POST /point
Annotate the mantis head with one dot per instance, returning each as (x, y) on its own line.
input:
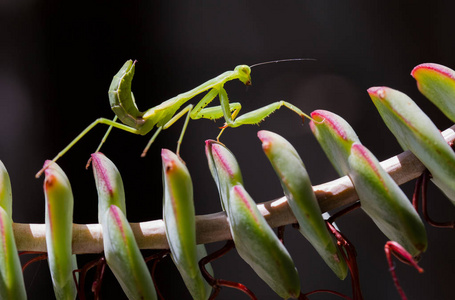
(244, 72)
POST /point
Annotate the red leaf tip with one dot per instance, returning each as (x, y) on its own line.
(443, 70)
(326, 117)
(265, 139)
(377, 91)
(168, 158)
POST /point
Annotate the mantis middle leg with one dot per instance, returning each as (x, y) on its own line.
(211, 113)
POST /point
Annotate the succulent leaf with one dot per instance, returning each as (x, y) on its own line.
(179, 218)
(59, 231)
(120, 248)
(124, 257)
(437, 83)
(258, 245)
(416, 132)
(336, 137)
(379, 195)
(109, 184)
(6, 198)
(224, 168)
(11, 278)
(255, 241)
(301, 198)
(385, 202)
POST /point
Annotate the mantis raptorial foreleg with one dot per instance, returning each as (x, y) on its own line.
(258, 115)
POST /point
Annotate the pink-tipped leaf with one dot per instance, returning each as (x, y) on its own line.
(224, 168)
(180, 223)
(120, 248)
(255, 240)
(415, 131)
(301, 198)
(11, 278)
(437, 83)
(379, 195)
(59, 231)
(335, 136)
(258, 245)
(6, 198)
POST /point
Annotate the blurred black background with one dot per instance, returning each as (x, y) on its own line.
(57, 59)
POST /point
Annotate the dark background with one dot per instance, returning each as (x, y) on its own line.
(57, 60)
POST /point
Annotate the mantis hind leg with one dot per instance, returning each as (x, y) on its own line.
(83, 133)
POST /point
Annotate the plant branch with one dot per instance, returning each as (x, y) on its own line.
(88, 238)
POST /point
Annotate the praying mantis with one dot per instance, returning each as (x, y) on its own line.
(165, 114)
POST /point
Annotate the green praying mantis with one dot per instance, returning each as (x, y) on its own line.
(165, 114)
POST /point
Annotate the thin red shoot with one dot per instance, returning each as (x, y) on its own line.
(404, 256)
(349, 254)
(421, 185)
(100, 264)
(42, 256)
(218, 283)
(157, 257)
(343, 212)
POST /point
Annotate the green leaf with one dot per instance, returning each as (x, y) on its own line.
(59, 231)
(301, 198)
(124, 257)
(335, 136)
(224, 168)
(11, 278)
(416, 132)
(437, 83)
(180, 223)
(109, 184)
(255, 241)
(6, 198)
(258, 245)
(121, 250)
(379, 195)
(386, 204)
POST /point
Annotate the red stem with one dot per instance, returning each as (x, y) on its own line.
(157, 257)
(217, 283)
(96, 282)
(399, 252)
(349, 255)
(43, 256)
(425, 178)
(343, 212)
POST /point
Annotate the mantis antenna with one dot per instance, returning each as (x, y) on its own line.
(282, 60)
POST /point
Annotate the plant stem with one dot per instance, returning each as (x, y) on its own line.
(87, 238)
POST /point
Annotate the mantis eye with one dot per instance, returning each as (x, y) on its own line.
(245, 69)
